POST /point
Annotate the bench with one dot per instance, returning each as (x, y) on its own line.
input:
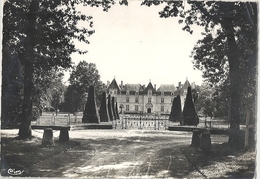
(200, 136)
(91, 126)
(64, 131)
(215, 131)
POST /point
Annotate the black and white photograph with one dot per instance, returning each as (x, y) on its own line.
(129, 89)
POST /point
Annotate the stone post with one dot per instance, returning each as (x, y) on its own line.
(64, 135)
(47, 139)
(205, 142)
(195, 141)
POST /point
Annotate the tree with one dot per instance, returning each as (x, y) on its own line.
(189, 113)
(113, 108)
(48, 90)
(12, 90)
(117, 114)
(205, 102)
(176, 112)
(103, 111)
(82, 77)
(235, 41)
(172, 108)
(40, 34)
(90, 114)
(110, 109)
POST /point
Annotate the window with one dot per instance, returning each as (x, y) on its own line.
(162, 108)
(162, 100)
(127, 107)
(136, 93)
(110, 92)
(162, 93)
(149, 100)
(136, 99)
(149, 92)
(136, 107)
(114, 92)
(115, 99)
(127, 99)
(127, 92)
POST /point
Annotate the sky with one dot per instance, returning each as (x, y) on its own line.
(134, 45)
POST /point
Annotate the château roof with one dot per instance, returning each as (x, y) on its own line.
(132, 87)
(149, 86)
(113, 85)
(166, 88)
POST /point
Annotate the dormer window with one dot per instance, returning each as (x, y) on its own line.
(127, 92)
(162, 93)
(149, 92)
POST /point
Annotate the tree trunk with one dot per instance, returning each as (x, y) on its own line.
(26, 56)
(235, 86)
(25, 126)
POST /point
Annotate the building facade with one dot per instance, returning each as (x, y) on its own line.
(141, 99)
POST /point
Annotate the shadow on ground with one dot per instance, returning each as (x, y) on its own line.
(222, 162)
(127, 157)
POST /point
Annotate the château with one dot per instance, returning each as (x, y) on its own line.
(141, 99)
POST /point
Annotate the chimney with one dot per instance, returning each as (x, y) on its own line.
(155, 86)
(121, 84)
(108, 83)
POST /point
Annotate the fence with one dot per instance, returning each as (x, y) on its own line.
(141, 122)
(146, 122)
(213, 123)
(60, 119)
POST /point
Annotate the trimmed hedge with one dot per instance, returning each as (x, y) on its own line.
(109, 106)
(90, 114)
(176, 112)
(190, 116)
(103, 111)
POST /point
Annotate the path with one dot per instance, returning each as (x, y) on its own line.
(120, 154)
(114, 154)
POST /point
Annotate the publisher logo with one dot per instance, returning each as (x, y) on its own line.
(15, 172)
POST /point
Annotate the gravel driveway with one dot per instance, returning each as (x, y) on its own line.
(122, 154)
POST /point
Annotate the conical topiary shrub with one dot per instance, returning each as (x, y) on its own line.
(117, 114)
(113, 108)
(176, 113)
(103, 111)
(90, 114)
(189, 113)
(172, 108)
(109, 107)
